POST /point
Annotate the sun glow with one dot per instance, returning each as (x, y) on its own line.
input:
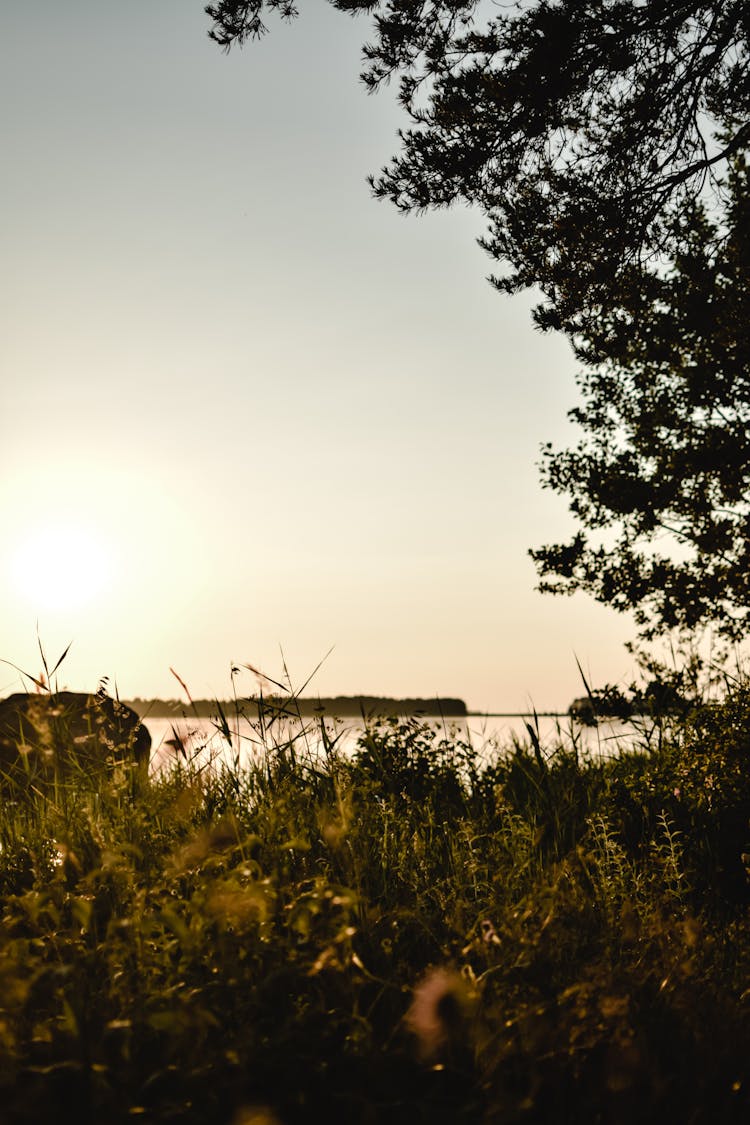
(62, 567)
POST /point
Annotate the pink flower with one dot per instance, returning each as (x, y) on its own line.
(438, 1012)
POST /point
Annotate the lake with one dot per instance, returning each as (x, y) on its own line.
(198, 739)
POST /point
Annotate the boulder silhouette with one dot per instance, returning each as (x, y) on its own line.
(57, 734)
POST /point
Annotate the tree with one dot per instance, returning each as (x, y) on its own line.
(604, 142)
(579, 128)
(660, 479)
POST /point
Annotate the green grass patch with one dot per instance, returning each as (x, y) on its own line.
(411, 933)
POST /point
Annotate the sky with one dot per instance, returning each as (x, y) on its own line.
(248, 414)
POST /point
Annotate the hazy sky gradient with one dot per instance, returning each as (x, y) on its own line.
(243, 404)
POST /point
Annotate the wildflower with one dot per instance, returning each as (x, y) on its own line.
(438, 1011)
(489, 933)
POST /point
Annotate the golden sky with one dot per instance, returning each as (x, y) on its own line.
(244, 408)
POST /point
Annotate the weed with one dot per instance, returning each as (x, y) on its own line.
(412, 932)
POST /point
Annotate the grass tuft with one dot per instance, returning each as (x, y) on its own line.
(412, 932)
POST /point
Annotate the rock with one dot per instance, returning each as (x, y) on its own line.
(43, 736)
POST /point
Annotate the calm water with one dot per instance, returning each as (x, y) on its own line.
(199, 739)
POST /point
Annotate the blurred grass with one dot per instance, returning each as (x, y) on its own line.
(415, 932)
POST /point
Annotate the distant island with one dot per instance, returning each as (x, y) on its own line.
(337, 707)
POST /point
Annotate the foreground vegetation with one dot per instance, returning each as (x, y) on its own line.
(414, 933)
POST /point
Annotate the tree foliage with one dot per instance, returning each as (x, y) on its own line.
(579, 128)
(660, 479)
(604, 141)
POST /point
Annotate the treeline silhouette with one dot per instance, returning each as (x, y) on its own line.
(339, 706)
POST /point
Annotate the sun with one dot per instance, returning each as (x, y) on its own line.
(61, 566)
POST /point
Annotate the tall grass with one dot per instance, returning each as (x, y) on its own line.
(414, 932)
